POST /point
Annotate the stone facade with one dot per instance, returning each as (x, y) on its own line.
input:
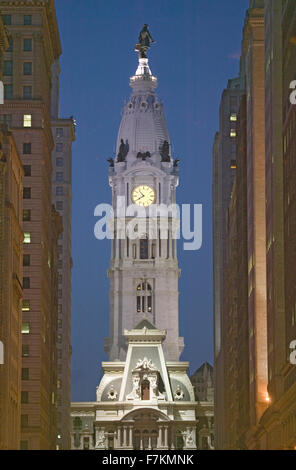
(34, 47)
(145, 399)
(11, 293)
(63, 131)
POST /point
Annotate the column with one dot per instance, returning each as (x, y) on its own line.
(141, 441)
(149, 442)
(130, 441)
(119, 437)
(159, 438)
(72, 441)
(166, 437)
(124, 437)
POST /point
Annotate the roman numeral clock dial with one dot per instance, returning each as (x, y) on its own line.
(143, 196)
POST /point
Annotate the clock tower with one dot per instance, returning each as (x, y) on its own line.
(145, 399)
(144, 268)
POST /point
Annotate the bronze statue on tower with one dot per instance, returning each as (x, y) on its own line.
(145, 39)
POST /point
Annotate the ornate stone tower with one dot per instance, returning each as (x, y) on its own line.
(144, 268)
(145, 399)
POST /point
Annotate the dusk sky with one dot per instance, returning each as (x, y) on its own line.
(196, 51)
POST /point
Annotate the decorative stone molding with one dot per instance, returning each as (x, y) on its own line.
(179, 393)
(112, 393)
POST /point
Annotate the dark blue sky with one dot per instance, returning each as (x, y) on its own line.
(196, 51)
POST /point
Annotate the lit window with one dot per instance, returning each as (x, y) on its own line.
(59, 384)
(25, 328)
(233, 164)
(27, 237)
(27, 120)
(27, 45)
(233, 117)
(232, 133)
(144, 297)
(26, 306)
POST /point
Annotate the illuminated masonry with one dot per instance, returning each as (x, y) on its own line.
(145, 399)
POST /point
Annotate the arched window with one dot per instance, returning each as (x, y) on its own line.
(145, 390)
(144, 297)
(144, 248)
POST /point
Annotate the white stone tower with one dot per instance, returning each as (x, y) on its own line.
(145, 399)
(144, 272)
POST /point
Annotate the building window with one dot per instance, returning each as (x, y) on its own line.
(8, 92)
(25, 374)
(24, 445)
(24, 421)
(27, 68)
(7, 68)
(59, 191)
(233, 164)
(144, 248)
(25, 350)
(27, 237)
(60, 132)
(60, 205)
(59, 161)
(10, 47)
(27, 45)
(27, 148)
(26, 306)
(60, 176)
(26, 283)
(26, 260)
(232, 133)
(6, 119)
(6, 20)
(60, 339)
(27, 170)
(59, 147)
(27, 120)
(27, 193)
(233, 117)
(144, 297)
(27, 92)
(60, 323)
(24, 398)
(59, 384)
(27, 20)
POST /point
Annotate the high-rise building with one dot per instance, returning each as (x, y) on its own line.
(241, 327)
(11, 292)
(145, 399)
(224, 167)
(63, 131)
(203, 383)
(34, 45)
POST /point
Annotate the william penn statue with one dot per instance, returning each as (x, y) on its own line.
(145, 39)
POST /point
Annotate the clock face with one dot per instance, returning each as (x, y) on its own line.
(143, 196)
